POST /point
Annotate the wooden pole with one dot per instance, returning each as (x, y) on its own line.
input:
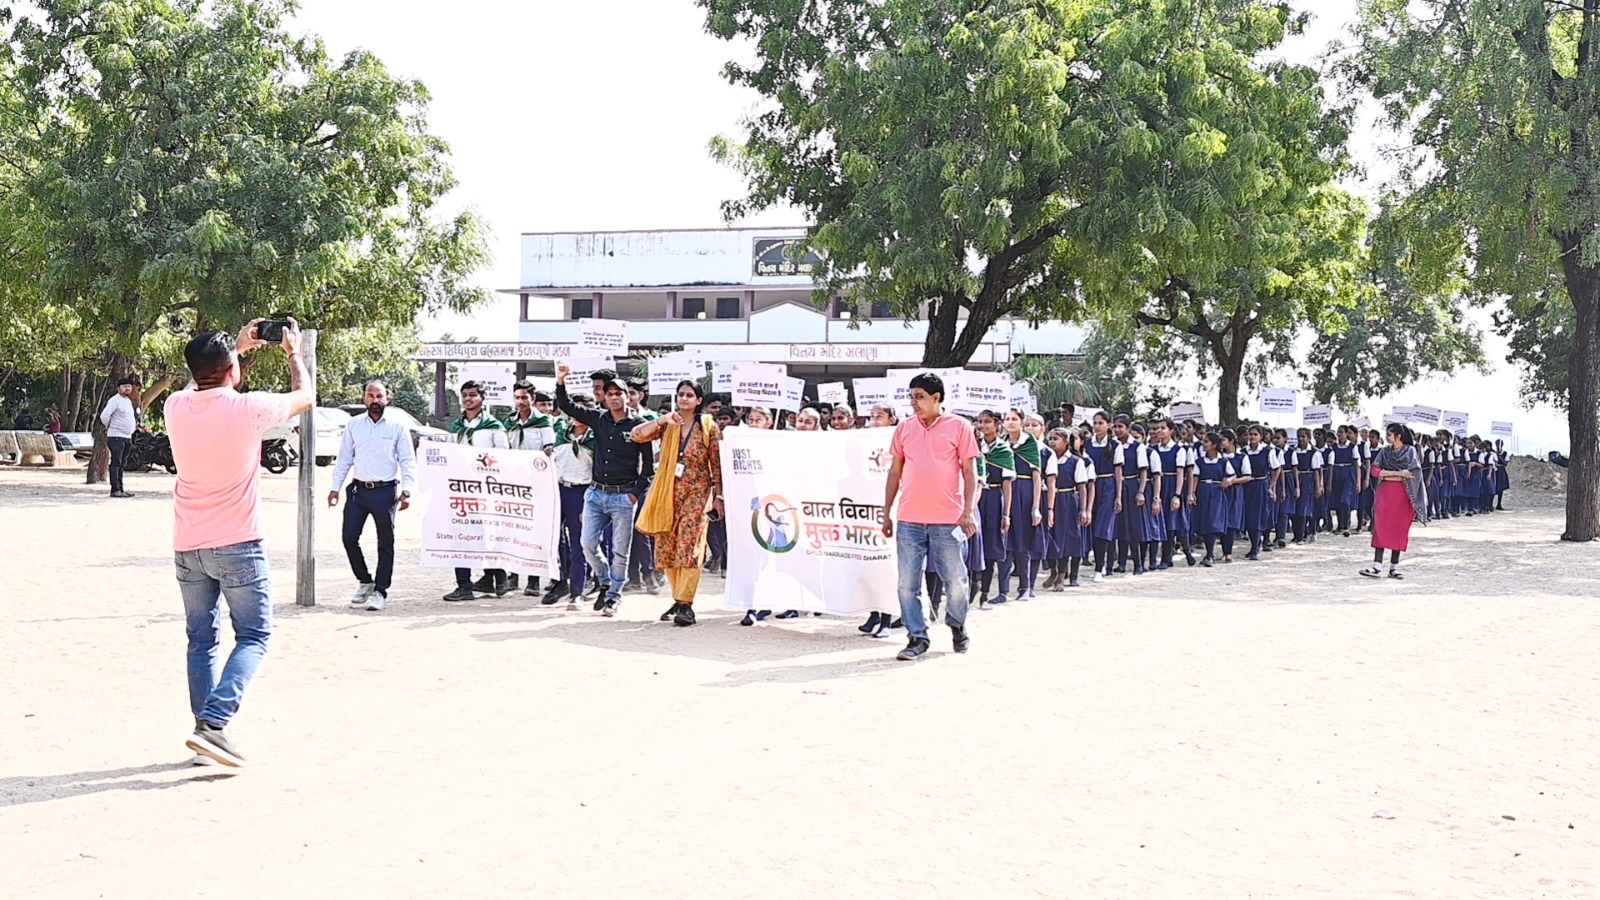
(305, 582)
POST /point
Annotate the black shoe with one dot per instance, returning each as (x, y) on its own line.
(685, 616)
(598, 587)
(1345, 533)
(514, 581)
(761, 614)
(749, 618)
(484, 585)
(671, 611)
(871, 625)
(1189, 558)
(460, 594)
(959, 634)
(609, 608)
(789, 614)
(1253, 556)
(502, 586)
(554, 595)
(208, 740)
(600, 601)
(916, 648)
(1280, 544)
(1205, 563)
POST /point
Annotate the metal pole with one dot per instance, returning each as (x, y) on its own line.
(305, 582)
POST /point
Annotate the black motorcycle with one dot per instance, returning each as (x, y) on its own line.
(276, 457)
(151, 449)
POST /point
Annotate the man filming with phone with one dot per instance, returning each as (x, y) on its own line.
(217, 532)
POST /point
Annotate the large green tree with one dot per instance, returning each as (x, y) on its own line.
(1049, 159)
(179, 164)
(1501, 99)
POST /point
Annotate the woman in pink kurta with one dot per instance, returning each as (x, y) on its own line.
(1400, 500)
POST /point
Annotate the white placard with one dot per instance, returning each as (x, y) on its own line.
(899, 382)
(1404, 412)
(983, 391)
(1321, 414)
(1280, 400)
(794, 393)
(756, 384)
(870, 392)
(1455, 422)
(1186, 412)
(494, 509)
(1394, 419)
(603, 337)
(833, 392)
(722, 374)
(1084, 414)
(1427, 415)
(804, 520)
(583, 368)
(497, 382)
(667, 371)
(1500, 429)
(1021, 397)
(1363, 422)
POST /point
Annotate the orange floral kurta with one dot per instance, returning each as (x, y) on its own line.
(685, 547)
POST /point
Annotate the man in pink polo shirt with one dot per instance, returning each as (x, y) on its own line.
(936, 459)
(217, 535)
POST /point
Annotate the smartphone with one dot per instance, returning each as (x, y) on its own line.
(271, 332)
(714, 516)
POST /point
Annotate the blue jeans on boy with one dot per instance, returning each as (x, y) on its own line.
(917, 545)
(600, 509)
(238, 574)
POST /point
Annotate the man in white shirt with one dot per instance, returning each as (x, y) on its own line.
(119, 419)
(379, 450)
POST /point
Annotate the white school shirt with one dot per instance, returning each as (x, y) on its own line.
(1151, 459)
(1275, 457)
(1085, 471)
(1141, 459)
(572, 467)
(530, 438)
(1241, 464)
(1051, 465)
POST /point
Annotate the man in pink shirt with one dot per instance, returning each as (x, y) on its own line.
(935, 456)
(217, 535)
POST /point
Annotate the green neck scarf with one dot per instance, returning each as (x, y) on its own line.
(1028, 449)
(998, 455)
(564, 435)
(538, 420)
(486, 422)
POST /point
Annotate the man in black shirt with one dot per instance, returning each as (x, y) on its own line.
(622, 469)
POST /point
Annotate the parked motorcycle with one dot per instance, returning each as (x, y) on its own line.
(276, 455)
(151, 449)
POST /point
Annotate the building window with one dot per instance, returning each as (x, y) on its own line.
(583, 309)
(880, 310)
(693, 308)
(728, 307)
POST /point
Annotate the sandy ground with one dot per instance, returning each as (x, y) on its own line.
(1223, 733)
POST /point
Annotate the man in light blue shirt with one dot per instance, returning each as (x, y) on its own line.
(120, 422)
(385, 464)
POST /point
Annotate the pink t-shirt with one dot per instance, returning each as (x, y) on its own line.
(930, 480)
(216, 443)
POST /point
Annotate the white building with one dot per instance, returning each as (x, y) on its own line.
(734, 295)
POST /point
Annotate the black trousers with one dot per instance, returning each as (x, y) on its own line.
(381, 504)
(119, 459)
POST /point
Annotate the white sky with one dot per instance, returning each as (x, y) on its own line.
(597, 116)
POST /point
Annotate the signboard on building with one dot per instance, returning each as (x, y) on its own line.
(780, 257)
(471, 351)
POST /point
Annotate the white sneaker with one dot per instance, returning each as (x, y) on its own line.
(362, 593)
(202, 760)
(377, 601)
(1098, 578)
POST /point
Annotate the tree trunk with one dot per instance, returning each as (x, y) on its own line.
(1583, 402)
(64, 393)
(951, 341)
(1228, 391)
(100, 463)
(75, 403)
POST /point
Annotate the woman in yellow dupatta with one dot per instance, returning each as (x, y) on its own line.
(688, 483)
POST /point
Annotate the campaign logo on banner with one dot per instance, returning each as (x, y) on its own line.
(805, 521)
(1280, 400)
(488, 509)
(603, 337)
(1187, 412)
(497, 382)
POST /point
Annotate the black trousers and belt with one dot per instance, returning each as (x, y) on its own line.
(379, 500)
(119, 447)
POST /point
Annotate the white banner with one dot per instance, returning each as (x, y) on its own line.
(667, 371)
(1394, 419)
(869, 393)
(834, 393)
(759, 385)
(1500, 429)
(1456, 422)
(722, 375)
(496, 381)
(1321, 414)
(488, 509)
(1084, 414)
(603, 337)
(805, 521)
(983, 390)
(899, 384)
(1187, 412)
(1280, 400)
(794, 393)
(580, 380)
(1406, 413)
(1427, 415)
(1363, 422)
(1022, 398)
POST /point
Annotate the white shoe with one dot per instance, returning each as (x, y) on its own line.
(362, 593)
(1098, 578)
(201, 760)
(377, 601)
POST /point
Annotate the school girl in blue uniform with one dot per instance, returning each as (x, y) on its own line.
(1155, 501)
(994, 506)
(1233, 494)
(1133, 472)
(1176, 463)
(1102, 453)
(1213, 475)
(1256, 514)
(1345, 482)
(1502, 474)
(1306, 465)
(1069, 520)
(1025, 538)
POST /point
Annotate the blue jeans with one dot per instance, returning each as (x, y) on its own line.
(599, 510)
(917, 545)
(237, 573)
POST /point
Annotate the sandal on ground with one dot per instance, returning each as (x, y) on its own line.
(1395, 573)
(1372, 571)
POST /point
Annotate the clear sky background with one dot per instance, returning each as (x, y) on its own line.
(597, 116)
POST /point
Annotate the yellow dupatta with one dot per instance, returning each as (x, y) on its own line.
(655, 518)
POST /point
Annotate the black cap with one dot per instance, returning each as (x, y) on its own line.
(124, 380)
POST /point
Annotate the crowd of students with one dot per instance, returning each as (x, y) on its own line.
(1112, 494)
